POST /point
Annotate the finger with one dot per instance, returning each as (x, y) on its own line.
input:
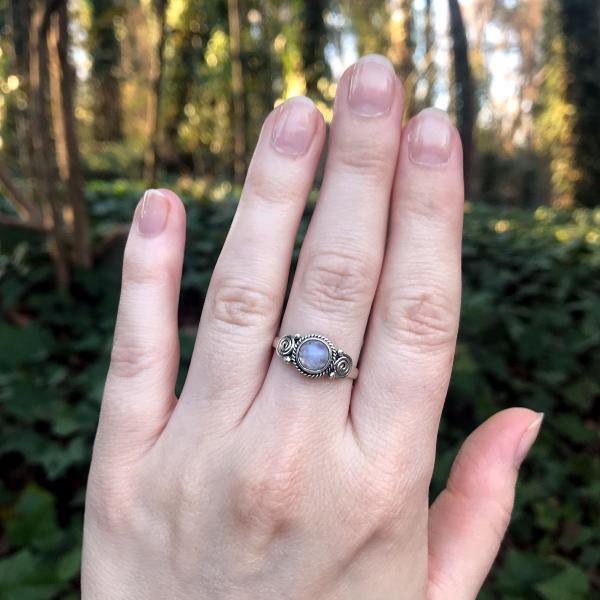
(342, 252)
(139, 392)
(243, 303)
(469, 518)
(412, 333)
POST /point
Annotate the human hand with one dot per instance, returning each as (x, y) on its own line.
(261, 483)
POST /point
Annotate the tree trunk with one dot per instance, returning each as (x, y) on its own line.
(19, 19)
(43, 160)
(182, 80)
(464, 91)
(106, 56)
(402, 49)
(189, 41)
(429, 57)
(65, 133)
(270, 23)
(153, 107)
(313, 44)
(237, 89)
(580, 24)
(402, 46)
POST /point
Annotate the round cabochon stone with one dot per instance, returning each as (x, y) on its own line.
(313, 355)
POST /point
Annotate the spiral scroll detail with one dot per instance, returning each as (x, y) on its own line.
(342, 365)
(285, 345)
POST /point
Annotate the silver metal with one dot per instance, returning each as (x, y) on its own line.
(339, 364)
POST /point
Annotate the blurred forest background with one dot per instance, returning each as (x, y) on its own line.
(100, 99)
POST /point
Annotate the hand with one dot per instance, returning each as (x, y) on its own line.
(258, 482)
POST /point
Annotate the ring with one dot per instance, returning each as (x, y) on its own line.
(315, 356)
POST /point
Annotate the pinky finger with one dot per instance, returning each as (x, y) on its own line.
(140, 386)
(469, 518)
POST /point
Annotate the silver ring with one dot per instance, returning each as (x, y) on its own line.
(315, 356)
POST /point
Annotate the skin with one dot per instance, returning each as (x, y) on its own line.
(257, 482)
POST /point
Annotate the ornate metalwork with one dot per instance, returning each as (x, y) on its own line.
(342, 365)
(285, 347)
(338, 365)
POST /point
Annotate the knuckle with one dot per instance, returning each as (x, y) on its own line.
(503, 514)
(429, 199)
(422, 202)
(131, 356)
(384, 501)
(239, 303)
(336, 280)
(440, 583)
(386, 490)
(268, 187)
(267, 498)
(470, 485)
(111, 500)
(109, 513)
(365, 157)
(125, 360)
(422, 319)
(187, 488)
(140, 273)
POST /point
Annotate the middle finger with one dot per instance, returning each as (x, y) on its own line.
(341, 256)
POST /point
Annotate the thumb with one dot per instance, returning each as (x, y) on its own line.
(469, 518)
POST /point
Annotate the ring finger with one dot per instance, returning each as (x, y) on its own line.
(415, 317)
(243, 304)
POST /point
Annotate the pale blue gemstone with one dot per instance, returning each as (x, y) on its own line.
(313, 355)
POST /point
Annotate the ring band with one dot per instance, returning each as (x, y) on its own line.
(314, 356)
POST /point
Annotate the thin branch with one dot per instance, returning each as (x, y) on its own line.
(9, 221)
(23, 207)
(110, 238)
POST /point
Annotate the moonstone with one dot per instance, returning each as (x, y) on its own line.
(313, 355)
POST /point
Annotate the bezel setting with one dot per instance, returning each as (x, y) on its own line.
(338, 365)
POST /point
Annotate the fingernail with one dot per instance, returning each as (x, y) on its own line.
(152, 213)
(295, 126)
(527, 439)
(429, 139)
(372, 88)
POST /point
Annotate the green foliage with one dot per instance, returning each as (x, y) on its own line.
(530, 336)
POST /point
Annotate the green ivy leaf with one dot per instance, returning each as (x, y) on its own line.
(571, 583)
